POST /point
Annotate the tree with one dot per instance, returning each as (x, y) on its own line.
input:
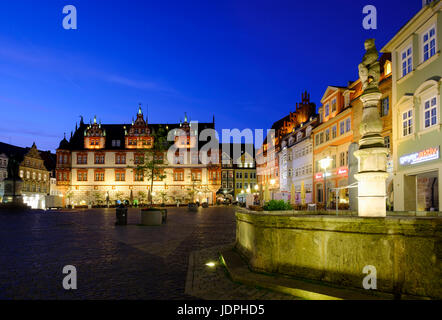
(163, 195)
(192, 191)
(152, 164)
(119, 196)
(69, 196)
(142, 196)
(98, 197)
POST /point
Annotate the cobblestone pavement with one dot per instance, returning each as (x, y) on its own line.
(113, 262)
(213, 283)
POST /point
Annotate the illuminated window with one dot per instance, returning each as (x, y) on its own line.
(387, 68)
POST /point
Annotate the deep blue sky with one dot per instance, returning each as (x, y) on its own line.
(246, 62)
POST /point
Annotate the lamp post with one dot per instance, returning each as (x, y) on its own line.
(325, 163)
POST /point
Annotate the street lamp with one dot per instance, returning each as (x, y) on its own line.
(325, 163)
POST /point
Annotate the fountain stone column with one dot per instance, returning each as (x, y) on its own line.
(372, 154)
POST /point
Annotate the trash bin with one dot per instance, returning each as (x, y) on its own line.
(121, 213)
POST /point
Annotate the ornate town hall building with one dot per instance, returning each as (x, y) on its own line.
(98, 164)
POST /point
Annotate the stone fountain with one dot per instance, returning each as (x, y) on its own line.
(372, 154)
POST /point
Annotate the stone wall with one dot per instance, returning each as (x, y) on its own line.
(406, 251)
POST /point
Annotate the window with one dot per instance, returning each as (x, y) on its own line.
(99, 175)
(387, 142)
(81, 175)
(116, 143)
(347, 124)
(387, 68)
(316, 140)
(327, 135)
(429, 43)
(82, 158)
(196, 175)
(327, 111)
(385, 106)
(342, 127)
(430, 112)
(321, 137)
(342, 159)
(120, 158)
(334, 132)
(178, 175)
(333, 105)
(138, 175)
(406, 61)
(138, 158)
(407, 123)
(299, 136)
(120, 175)
(239, 175)
(99, 158)
(213, 175)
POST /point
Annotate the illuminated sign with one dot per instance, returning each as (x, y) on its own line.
(421, 156)
(320, 175)
(342, 170)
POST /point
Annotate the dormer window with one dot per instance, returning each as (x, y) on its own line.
(387, 68)
(299, 136)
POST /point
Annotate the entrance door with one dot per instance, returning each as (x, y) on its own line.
(319, 193)
(427, 185)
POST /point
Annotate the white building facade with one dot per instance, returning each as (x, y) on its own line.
(296, 164)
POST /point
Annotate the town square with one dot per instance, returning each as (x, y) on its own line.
(222, 151)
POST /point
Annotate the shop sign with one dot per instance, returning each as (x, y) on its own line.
(320, 175)
(419, 157)
(342, 171)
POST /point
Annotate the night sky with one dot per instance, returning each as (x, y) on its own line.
(246, 62)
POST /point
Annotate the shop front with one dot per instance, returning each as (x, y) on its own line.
(337, 181)
(417, 186)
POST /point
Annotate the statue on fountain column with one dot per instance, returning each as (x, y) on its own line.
(369, 68)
